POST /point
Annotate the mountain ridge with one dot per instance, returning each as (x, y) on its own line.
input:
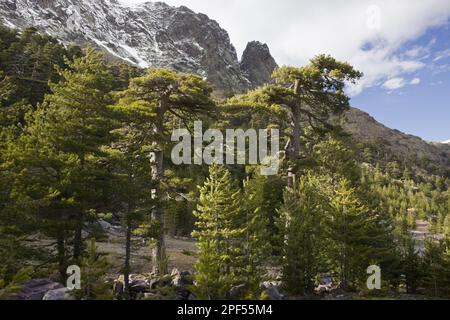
(366, 128)
(152, 33)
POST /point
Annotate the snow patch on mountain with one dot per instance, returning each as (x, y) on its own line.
(149, 34)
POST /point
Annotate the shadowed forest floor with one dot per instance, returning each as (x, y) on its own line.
(181, 253)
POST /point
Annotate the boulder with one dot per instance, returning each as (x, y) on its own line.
(274, 294)
(325, 285)
(237, 292)
(105, 225)
(180, 282)
(272, 289)
(59, 294)
(139, 283)
(36, 289)
(139, 286)
(182, 279)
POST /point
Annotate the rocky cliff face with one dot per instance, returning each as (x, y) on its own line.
(151, 34)
(257, 63)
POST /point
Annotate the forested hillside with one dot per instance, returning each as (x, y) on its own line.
(85, 164)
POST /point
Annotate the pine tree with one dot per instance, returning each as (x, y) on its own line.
(219, 229)
(257, 238)
(9, 287)
(410, 264)
(168, 95)
(447, 225)
(436, 268)
(302, 217)
(335, 159)
(348, 229)
(310, 94)
(29, 59)
(56, 163)
(130, 181)
(79, 124)
(94, 285)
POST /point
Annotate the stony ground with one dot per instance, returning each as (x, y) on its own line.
(181, 253)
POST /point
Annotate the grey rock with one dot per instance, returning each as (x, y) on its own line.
(269, 284)
(59, 294)
(181, 282)
(139, 286)
(274, 294)
(105, 225)
(36, 289)
(182, 279)
(236, 292)
(272, 289)
(257, 63)
(139, 283)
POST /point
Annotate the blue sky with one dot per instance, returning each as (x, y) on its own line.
(421, 108)
(402, 47)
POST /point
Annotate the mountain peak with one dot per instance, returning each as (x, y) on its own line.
(149, 34)
(257, 63)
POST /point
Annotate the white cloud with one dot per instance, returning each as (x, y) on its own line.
(415, 81)
(442, 55)
(394, 84)
(296, 30)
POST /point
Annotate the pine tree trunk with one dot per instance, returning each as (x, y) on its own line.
(159, 250)
(78, 239)
(61, 252)
(293, 152)
(158, 253)
(126, 269)
(296, 132)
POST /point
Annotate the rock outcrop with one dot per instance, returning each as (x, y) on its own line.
(36, 289)
(257, 63)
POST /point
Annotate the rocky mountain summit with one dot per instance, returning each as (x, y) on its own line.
(257, 63)
(150, 34)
